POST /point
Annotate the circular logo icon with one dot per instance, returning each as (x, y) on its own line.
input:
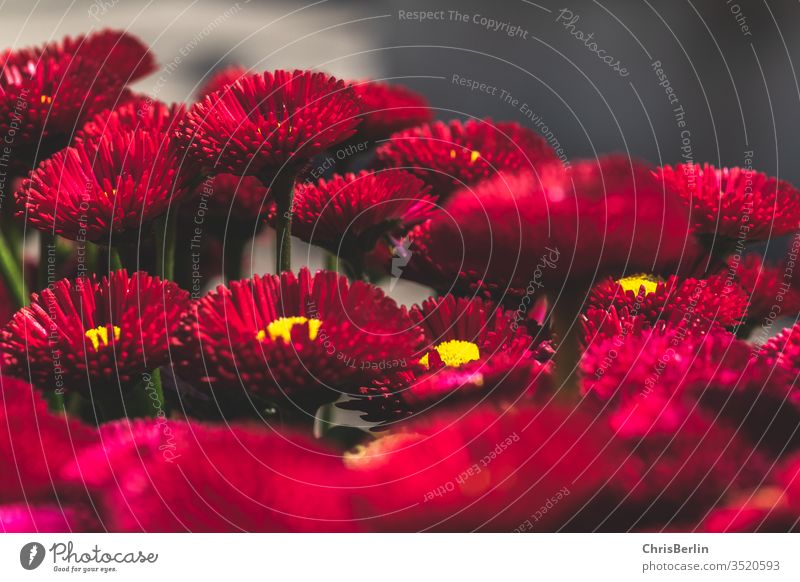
(31, 555)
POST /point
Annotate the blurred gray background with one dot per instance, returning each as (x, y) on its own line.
(730, 63)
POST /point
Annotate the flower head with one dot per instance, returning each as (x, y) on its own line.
(88, 335)
(140, 113)
(456, 155)
(264, 121)
(297, 340)
(348, 214)
(110, 185)
(46, 92)
(472, 350)
(697, 304)
(734, 203)
(389, 108)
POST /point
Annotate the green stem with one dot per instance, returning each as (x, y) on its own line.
(157, 404)
(56, 401)
(12, 272)
(91, 253)
(282, 188)
(114, 259)
(332, 262)
(165, 248)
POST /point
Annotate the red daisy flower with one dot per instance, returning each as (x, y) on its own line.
(697, 304)
(298, 340)
(34, 443)
(456, 155)
(521, 234)
(484, 469)
(389, 108)
(46, 92)
(157, 476)
(140, 113)
(770, 288)
(115, 184)
(221, 79)
(88, 335)
(734, 203)
(348, 214)
(265, 121)
(472, 350)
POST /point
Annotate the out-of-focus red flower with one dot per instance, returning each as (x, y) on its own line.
(698, 304)
(389, 108)
(734, 203)
(348, 214)
(472, 350)
(457, 155)
(520, 235)
(165, 476)
(116, 184)
(523, 469)
(47, 91)
(715, 371)
(34, 445)
(88, 335)
(221, 79)
(300, 340)
(266, 121)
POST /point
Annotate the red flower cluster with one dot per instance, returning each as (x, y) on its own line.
(311, 400)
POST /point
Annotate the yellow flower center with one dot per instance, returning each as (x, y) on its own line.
(99, 335)
(282, 328)
(454, 353)
(635, 282)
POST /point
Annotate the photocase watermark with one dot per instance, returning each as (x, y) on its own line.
(568, 19)
(168, 446)
(546, 507)
(548, 260)
(473, 470)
